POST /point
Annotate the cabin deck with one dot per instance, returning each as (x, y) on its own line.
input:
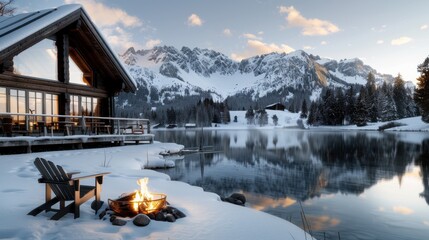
(27, 143)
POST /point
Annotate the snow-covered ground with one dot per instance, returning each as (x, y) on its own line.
(287, 119)
(207, 216)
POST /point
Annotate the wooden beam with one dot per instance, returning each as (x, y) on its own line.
(37, 84)
(63, 57)
(46, 32)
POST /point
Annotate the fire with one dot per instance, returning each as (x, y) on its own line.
(143, 196)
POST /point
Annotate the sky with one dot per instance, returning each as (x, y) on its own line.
(392, 36)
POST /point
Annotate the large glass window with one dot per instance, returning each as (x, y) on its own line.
(35, 104)
(51, 107)
(17, 105)
(3, 102)
(80, 72)
(40, 61)
(74, 105)
(86, 106)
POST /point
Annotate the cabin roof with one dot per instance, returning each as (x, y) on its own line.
(21, 31)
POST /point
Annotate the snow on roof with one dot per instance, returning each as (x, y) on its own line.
(16, 28)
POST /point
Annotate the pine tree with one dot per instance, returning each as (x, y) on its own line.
(275, 120)
(350, 105)
(421, 95)
(262, 117)
(304, 110)
(371, 98)
(387, 107)
(361, 112)
(339, 106)
(400, 96)
(328, 116)
(250, 116)
(311, 120)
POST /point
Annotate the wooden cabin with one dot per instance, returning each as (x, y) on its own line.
(56, 62)
(276, 106)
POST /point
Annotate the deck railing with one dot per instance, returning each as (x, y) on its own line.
(48, 124)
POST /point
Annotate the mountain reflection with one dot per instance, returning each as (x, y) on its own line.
(300, 165)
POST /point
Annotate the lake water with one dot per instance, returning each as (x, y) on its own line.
(351, 185)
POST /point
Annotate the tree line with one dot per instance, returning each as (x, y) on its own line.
(360, 105)
(203, 113)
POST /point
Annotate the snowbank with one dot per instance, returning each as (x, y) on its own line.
(207, 216)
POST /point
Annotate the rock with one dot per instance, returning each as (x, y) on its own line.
(94, 205)
(175, 212)
(170, 218)
(119, 222)
(141, 220)
(151, 216)
(160, 216)
(179, 214)
(102, 214)
(112, 218)
(235, 198)
(238, 196)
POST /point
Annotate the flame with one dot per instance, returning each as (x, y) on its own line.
(142, 196)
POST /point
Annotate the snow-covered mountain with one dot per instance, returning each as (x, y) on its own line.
(166, 73)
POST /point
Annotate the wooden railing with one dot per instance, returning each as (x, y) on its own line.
(48, 124)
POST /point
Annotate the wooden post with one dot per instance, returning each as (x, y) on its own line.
(48, 196)
(63, 57)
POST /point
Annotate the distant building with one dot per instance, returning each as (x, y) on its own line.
(190, 125)
(276, 106)
(56, 62)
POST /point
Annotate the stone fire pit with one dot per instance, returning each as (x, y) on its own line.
(141, 205)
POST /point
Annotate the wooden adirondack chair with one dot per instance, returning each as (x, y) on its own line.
(65, 188)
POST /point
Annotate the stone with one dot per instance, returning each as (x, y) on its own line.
(119, 222)
(178, 214)
(160, 216)
(235, 198)
(170, 218)
(94, 205)
(151, 216)
(238, 196)
(141, 220)
(112, 218)
(102, 214)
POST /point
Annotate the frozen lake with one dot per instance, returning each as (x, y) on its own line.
(361, 185)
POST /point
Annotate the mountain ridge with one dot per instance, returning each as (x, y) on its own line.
(171, 73)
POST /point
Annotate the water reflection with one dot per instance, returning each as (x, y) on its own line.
(423, 161)
(349, 182)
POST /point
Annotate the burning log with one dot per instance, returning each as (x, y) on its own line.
(141, 201)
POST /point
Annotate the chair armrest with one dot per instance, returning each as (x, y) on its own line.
(90, 176)
(70, 174)
(42, 180)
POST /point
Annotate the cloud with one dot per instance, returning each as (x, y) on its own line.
(380, 42)
(194, 20)
(152, 43)
(251, 36)
(401, 41)
(310, 26)
(227, 32)
(105, 16)
(403, 210)
(323, 43)
(119, 38)
(114, 23)
(379, 29)
(423, 27)
(308, 47)
(256, 47)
